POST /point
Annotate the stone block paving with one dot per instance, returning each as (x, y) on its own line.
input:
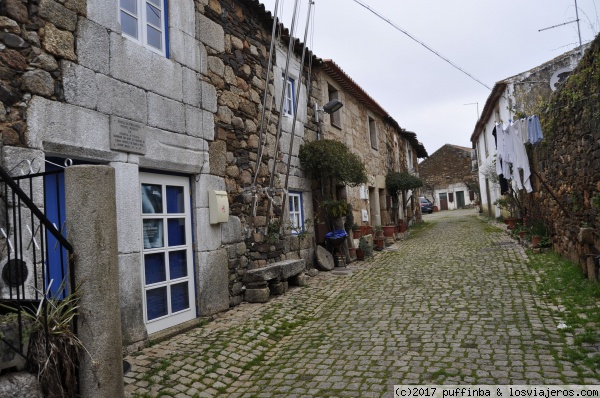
(453, 304)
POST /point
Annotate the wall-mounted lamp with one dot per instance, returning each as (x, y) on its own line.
(330, 107)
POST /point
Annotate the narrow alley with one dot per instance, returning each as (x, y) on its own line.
(453, 304)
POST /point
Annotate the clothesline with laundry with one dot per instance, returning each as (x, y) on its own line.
(510, 149)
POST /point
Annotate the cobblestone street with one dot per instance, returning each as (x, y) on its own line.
(453, 304)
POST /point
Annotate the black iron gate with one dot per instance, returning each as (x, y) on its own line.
(36, 260)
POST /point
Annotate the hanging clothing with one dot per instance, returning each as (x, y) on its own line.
(522, 130)
(520, 161)
(512, 156)
(534, 129)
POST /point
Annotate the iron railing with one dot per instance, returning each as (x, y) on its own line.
(36, 260)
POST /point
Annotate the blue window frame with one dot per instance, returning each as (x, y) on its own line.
(145, 22)
(296, 212)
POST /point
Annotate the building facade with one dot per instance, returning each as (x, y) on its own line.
(171, 95)
(512, 99)
(450, 178)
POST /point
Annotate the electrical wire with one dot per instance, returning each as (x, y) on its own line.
(422, 43)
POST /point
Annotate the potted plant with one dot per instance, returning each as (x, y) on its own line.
(509, 203)
(388, 231)
(401, 226)
(334, 209)
(379, 239)
(356, 231)
(365, 250)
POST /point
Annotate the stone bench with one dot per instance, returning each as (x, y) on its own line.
(272, 279)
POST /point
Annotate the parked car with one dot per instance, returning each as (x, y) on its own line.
(426, 205)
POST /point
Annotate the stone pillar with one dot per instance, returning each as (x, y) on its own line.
(92, 230)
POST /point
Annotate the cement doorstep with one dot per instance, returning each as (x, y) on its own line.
(439, 309)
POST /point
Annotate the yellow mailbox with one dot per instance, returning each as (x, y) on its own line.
(218, 205)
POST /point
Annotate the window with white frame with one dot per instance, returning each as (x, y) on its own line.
(144, 21)
(296, 218)
(288, 100)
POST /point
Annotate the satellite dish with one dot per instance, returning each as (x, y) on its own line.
(559, 77)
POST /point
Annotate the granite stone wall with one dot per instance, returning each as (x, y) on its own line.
(239, 73)
(567, 190)
(35, 35)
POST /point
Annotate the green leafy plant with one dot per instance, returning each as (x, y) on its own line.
(396, 182)
(54, 350)
(335, 208)
(508, 203)
(273, 231)
(535, 225)
(365, 247)
(333, 161)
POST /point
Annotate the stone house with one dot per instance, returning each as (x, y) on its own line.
(449, 177)
(511, 99)
(172, 101)
(374, 135)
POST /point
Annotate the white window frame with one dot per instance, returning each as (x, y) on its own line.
(288, 97)
(142, 24)
(296, 215)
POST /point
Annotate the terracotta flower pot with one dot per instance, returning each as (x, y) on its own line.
(360, 255)
(380, 243)
(388, 231)
(535, 241)
(356, 233)
(511, 222)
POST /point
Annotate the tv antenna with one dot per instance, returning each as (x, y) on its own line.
(570, 22)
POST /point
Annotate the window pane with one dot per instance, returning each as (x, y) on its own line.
(155, 2)
(129, 25)
(156, 300)
(153, 234)
(180, 298)
(151, 199)
(175, 200)
(178, 264)
(129, 5)
(153, 15)
(176, 231)
(155, 270)
(154, 38)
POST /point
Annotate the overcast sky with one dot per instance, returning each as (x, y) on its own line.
(491, 40)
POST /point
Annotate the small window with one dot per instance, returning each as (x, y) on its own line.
(296, 218)
(144, 21)
(288, 100)
(409, 157)
(373, 133)
(335, 118)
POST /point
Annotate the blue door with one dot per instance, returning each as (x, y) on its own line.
(54, 206)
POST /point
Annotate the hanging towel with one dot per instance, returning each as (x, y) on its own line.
(534, 129)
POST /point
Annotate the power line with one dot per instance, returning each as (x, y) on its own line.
(422, 44)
